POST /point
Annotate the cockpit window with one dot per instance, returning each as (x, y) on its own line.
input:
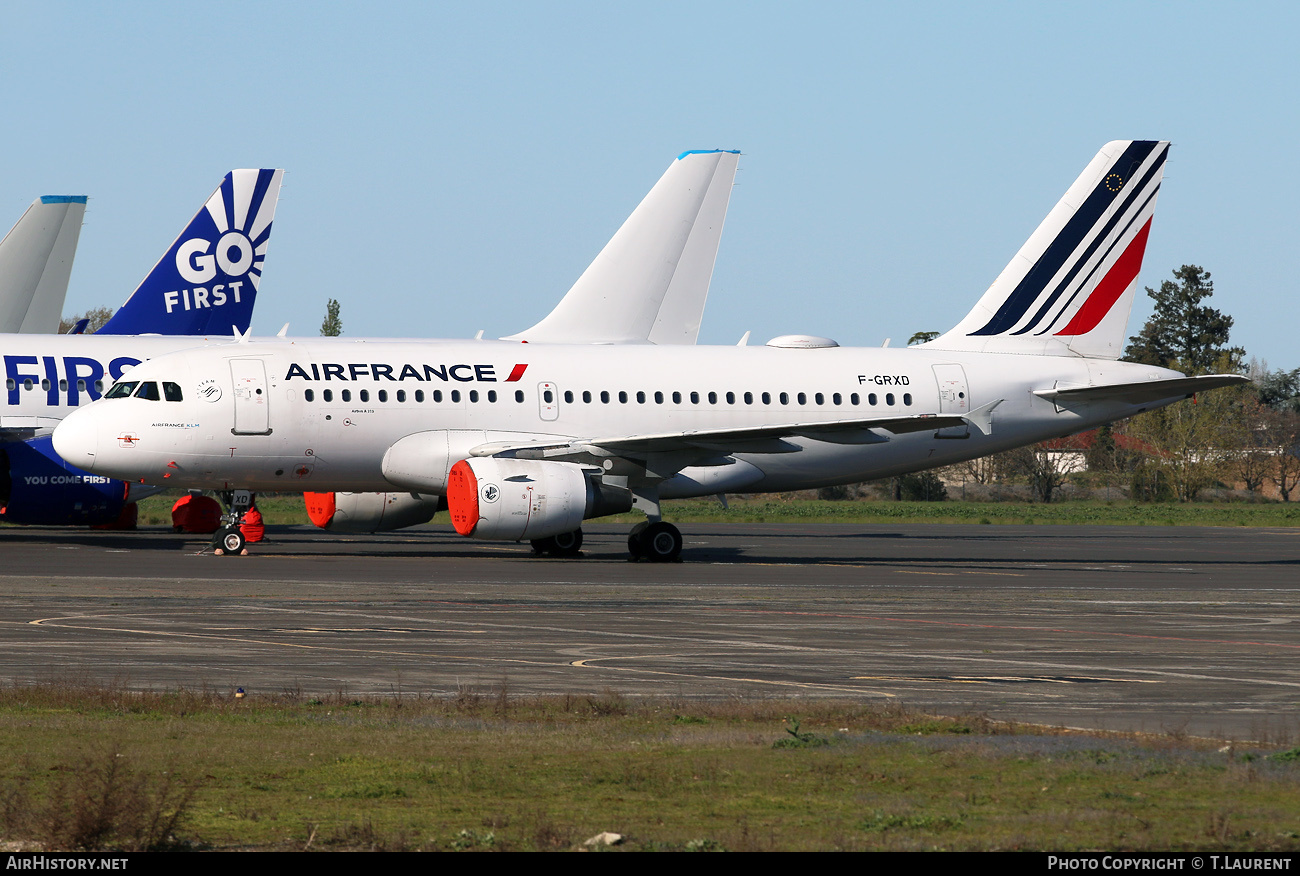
(148, 391)
(172, 392)
(122, 390)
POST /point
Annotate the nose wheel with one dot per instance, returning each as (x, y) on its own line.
(656, 542)
(229, 542)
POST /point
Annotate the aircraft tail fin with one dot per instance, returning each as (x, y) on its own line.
(650, 282)
(1069, 289)
(36, 263)
(208, 278)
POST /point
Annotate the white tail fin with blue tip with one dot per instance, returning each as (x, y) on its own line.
(36, 263)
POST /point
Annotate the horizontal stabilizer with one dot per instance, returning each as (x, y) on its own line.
(1143, 391)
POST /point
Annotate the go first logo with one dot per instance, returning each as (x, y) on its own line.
(220, 254)
(234, 257)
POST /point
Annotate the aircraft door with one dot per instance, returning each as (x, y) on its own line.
(252, 399)
(954, 398)
(548, 401)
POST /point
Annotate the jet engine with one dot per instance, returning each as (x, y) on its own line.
(516, 499)
(370, 512)
(37, 487)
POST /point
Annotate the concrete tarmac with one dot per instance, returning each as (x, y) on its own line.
(1176, 630)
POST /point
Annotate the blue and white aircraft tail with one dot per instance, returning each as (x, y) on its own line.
(36, 262)
(207, 281)
(1069, 289)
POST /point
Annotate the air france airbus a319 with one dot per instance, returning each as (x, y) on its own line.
(525, 441)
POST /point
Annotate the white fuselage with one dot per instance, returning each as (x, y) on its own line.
(321, 414)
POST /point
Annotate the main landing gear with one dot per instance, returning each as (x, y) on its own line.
(652, 542)
(566, 544)
(655, 542)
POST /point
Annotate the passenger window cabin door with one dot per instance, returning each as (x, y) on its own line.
(954, 398)
(252, 399)
(548, 401)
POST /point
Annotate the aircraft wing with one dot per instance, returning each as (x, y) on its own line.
(1145, 391)
(21, 428)
(751, 439)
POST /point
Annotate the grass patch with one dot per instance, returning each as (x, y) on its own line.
(284, 509)
(465, 773)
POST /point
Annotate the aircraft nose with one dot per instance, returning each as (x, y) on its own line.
(76, 439)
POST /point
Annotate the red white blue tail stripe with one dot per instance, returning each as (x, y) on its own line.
(1070, 288)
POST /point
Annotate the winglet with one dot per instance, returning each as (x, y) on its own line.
(982, 417)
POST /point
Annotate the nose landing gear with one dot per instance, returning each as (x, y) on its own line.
(229, 540)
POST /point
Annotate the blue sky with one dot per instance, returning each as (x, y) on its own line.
(454, 167)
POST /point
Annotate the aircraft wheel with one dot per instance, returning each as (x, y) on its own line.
(661, 542)
(543, 546)
(230, 541)
(567, 544)
(657, 542)
(634, 547)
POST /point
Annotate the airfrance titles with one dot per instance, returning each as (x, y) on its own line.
(354, 371)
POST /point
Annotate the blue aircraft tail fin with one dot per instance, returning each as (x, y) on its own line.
(207, 281)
